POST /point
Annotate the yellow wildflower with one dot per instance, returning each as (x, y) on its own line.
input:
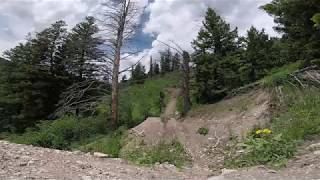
(259, 131)
(266, 131)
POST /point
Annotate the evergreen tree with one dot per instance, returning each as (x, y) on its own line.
(215, 36)
(165, 61)
(257, 59)
(215, 42)
(138, 73)
(151, 70)
(156, 68)
(294, 21)
(175, 62)
(83, 50)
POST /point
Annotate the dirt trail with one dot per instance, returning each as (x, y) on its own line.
(19, 162)
(226, 119)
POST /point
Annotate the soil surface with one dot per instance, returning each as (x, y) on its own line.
(229, 118)
(27, 162)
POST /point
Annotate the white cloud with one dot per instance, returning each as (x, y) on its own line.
(177, 20)
(19, 17)
(180, 20)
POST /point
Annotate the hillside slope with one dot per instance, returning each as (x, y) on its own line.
(230, 118)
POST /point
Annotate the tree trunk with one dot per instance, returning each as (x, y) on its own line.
(115, 88)
(186, 83)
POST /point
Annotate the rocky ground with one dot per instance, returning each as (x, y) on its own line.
(22, 162)
(27, 162)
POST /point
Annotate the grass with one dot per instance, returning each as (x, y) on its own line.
(279, 76)
(91, 134)
(297, 119)
(139, 101)
(61, 133)
(203, 131)
(108, 144)
(173, 153)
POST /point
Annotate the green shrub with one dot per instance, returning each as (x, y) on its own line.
(300, 120)
(61, 133)
(267, 149)
(203, 131)
(108, 144)
(280, 75)
(173, 153)
(139, 101)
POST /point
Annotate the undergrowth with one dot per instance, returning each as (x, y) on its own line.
(173, 153)
(139, 101)
(297, 119)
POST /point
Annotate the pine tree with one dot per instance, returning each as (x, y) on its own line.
(215, 36)
(165, 61)
(138, 73)
(151, 70)
(215, 42)
(257, 60)
(293, 19)
(83, 50)
(156, 69)
(175, 62)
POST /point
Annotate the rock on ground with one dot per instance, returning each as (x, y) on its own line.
(19, 162)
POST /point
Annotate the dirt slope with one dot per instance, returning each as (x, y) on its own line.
(305, 166)
(226, 119)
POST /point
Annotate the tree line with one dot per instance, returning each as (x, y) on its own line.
(224, 60)
(56, 64)
(39, 70)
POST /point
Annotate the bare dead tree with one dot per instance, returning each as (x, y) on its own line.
(119, 21)
(186, 74)
(82, 97)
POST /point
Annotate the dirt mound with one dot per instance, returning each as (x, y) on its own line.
(153, 130)
(233, 117)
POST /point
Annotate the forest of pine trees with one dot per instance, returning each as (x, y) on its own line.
(42, 68)
(35, 75)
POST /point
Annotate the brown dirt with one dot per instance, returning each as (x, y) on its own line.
(226, 119)
(20, 162)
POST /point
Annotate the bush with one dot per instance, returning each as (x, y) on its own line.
(279, 75)
(173, 153)
(300, 120)
(108, 144)
(139, 101)
(203, 131)
(61, 133)
(263, 149)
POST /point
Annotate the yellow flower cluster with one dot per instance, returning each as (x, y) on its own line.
(263, 131)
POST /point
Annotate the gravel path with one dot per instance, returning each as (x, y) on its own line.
(27, 162)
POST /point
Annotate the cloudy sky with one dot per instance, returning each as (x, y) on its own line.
(164, 20)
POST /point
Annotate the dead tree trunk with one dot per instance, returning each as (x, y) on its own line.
(120, 25)
(186, 82)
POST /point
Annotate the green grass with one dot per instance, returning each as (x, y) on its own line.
(108, 144)
(279, 76)
(203, 131)
(139, 101)
(299, 119)
(173, 153)
(61, 133)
